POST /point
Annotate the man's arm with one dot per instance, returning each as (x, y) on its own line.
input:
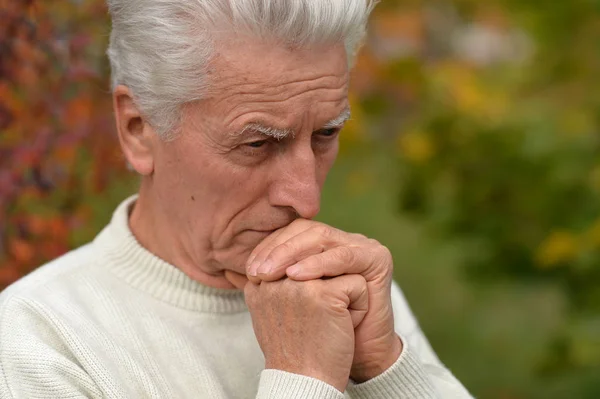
(383, 363)
(33, 362)
(417, 373)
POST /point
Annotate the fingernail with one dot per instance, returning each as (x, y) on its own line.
(293, 271)
(252, 269)
(265, 268)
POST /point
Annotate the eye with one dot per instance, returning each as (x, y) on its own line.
(328, 132)
(257, 148)
(256, 144)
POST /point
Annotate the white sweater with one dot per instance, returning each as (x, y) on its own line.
(111, 320)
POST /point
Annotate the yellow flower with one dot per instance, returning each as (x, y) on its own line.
(417, 147)
(559, 247)
(470, 94)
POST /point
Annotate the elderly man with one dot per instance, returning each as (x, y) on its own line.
(214, 282)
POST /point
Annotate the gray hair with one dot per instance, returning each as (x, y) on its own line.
(160, 49)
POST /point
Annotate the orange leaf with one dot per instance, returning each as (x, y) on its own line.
(52, 249)
(78, 112)
(57, 229)
(9, 273)
(36, 225)
(22, 251)
(65, 153)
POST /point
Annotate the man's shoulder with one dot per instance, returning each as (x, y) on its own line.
(47, 281)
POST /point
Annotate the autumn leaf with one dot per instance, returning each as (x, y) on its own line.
(21, 250)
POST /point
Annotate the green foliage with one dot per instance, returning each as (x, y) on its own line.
(505, 156)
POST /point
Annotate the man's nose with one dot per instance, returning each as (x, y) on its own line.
(296, 185)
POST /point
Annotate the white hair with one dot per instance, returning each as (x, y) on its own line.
(160, 49)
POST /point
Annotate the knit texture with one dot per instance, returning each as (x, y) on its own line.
(111, 320)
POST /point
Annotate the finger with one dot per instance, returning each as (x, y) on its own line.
(354, 288)
(261, 251)
(239, 281)
(263, 244)
(341, 260)
(316, 239)
(251, 264)
(279, 236)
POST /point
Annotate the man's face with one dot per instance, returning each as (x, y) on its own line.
(223, 183)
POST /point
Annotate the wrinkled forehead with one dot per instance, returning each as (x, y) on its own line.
(246, 60)
(268, 81)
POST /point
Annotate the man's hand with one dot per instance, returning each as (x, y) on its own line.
(308, 327)
(307, 250)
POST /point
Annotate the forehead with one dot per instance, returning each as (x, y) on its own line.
(253, 77)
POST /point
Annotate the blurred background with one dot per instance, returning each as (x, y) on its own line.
(473, 154)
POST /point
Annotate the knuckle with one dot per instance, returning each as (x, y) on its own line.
(373, 242)
(359, 236)
(361, 286)
(380, 249)
(384, 256)
(325, 231)
(346, 254)
(361, 280)
(286, 248)
(281, 251)
(313, 264)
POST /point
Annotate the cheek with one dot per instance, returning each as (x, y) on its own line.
(325, 161)
(190, 181)
(223, 188)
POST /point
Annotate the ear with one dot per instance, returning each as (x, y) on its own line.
(135, 134)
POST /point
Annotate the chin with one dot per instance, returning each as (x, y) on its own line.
(237, 265)
(249, 239)
(235, 260)
(235, 256)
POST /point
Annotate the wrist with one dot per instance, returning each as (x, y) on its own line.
(377, 365)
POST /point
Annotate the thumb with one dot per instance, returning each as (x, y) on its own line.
(354, 288)
(239, 281)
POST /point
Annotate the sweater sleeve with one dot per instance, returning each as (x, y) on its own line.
(30, 365)
(276, 384)
(418, 373)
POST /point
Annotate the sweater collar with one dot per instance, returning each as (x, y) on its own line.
(141, 269)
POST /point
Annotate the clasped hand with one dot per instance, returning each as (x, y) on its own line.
(332, 317)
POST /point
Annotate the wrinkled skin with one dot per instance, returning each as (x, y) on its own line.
(307, 250)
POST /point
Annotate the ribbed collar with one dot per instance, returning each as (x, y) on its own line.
(138, 267)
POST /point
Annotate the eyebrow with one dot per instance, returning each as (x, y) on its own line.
(265, 130)
(280, 134)
(339, 121)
